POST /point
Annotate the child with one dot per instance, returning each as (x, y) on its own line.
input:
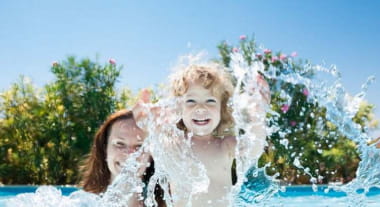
(205, 91)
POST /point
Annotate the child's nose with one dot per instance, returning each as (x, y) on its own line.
(200, 110)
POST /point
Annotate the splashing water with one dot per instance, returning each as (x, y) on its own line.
(340, 109)
(175, 163)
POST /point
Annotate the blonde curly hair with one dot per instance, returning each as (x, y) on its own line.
(213, 77)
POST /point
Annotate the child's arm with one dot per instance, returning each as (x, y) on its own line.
(252, 108)
(140, 110)
(374, 142)
(258, 115)
(252, 146)
(259, 122)
(146, 113)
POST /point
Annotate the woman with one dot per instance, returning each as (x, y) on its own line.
(116, 139)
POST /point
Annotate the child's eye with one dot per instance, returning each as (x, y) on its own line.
(211, 101)
(190, 101)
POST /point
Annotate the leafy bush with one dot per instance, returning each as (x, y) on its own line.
(305, 136)
(46, 132)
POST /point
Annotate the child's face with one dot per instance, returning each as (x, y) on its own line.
(125, 138)
(200, 110)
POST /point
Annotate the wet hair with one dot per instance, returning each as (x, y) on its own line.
(95, 175)
(213, 77)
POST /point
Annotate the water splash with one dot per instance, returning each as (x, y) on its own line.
(48, 196)
(176, 165)
(340, 109)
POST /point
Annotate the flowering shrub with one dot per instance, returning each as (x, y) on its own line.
(304, 134)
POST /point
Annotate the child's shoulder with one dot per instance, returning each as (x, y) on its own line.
(229, 143)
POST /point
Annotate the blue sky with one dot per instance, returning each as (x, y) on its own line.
(146, 37)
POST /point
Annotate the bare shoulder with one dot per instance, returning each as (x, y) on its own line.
(229, 143)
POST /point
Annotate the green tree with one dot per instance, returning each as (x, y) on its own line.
(45, 133)
(22, 118)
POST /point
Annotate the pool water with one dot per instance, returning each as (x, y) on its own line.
(305, 196)
(7, 192)
(293, 196)
(17, 189)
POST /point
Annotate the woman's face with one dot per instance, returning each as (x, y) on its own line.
(125, 138)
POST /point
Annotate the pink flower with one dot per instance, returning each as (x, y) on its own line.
(112, 61)
(294, 54)
(235, 49)
(293, 123)
(283, 57)
(258, 55)
(54, 63)
(242, 37)
(274, 59)
(305, 92)
(267, 51)
(285, 108)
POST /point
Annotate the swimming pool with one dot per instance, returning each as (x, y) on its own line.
(294, 196)
(7, 192)
(305, 196)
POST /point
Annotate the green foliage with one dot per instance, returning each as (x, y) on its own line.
(224, 51)
(45, 133)
(22, 117)
(305, 135)
(86, 92)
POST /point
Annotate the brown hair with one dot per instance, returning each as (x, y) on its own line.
(213, 77)
(95, 173)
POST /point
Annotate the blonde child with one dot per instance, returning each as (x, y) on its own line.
(204, 91)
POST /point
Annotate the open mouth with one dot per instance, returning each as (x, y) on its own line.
(201, 122)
